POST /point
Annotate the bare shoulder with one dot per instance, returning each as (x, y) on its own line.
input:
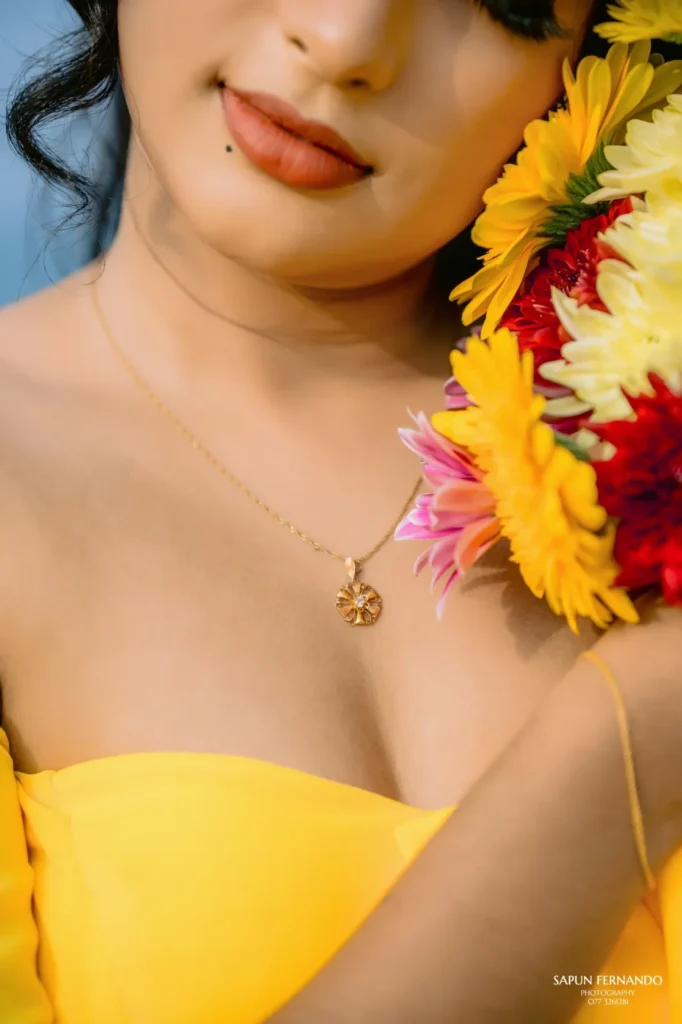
(48, 370)
(44, 375)
(42, 336)
(43, 340)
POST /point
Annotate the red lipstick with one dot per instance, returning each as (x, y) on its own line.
(282, 144)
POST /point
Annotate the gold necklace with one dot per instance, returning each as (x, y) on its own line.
(357, 602)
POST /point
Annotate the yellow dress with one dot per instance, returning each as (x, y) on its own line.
(208, 889)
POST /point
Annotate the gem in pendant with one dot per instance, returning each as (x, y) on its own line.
(358, 603)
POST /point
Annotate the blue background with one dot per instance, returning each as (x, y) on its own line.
(31, 253)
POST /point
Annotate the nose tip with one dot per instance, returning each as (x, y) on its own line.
(350, 43)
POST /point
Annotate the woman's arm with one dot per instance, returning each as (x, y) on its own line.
(536, 872)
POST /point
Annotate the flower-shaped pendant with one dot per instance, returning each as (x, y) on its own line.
(357, 602)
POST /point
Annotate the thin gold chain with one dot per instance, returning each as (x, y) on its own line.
(146, 388)
(636, 816)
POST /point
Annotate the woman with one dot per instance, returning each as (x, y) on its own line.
(220, 781)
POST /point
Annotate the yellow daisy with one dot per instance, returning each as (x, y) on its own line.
(641, 332)
(546, 498)
(603, 95)
(651, 159)
(635, 20)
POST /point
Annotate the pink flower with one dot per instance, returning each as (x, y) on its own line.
(459, 515)
(456, 396)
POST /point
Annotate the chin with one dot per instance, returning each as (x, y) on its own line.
(303, 247)
(341, 240)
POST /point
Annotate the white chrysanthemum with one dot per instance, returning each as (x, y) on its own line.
(651, 159)
(650, 239)
(641, 334)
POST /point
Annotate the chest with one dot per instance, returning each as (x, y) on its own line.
(138, 616)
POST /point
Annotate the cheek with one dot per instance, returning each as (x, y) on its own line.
(490, 86)
(171, 53)
(498, 88)
(171, 50)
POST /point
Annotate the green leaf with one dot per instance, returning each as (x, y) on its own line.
(566, 441)
(571, 214)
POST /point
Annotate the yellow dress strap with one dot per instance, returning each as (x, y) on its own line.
(22, 997)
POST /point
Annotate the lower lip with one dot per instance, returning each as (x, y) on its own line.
(281, 155)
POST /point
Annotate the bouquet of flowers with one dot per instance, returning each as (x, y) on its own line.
(562, 430)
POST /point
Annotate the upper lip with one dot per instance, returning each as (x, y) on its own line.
(315, 132)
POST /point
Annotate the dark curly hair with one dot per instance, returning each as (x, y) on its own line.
(84, 76)
(80, 76)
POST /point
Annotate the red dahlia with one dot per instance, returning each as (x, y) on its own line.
(573, 270)
(642, 487)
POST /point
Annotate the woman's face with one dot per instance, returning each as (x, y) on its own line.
(431, 96)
